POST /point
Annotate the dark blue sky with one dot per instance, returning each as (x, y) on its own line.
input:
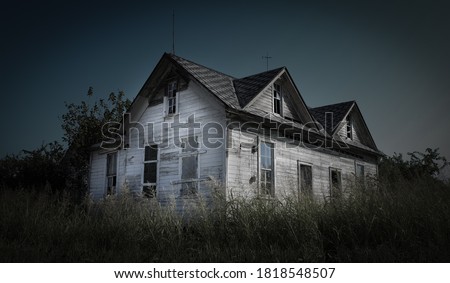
(392, 57)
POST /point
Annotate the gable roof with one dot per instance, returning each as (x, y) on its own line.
(219, 84)
(236, 93)
(239, 93)
(249, 87)
(339, 111)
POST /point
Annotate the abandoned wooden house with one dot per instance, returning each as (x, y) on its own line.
(255, 135)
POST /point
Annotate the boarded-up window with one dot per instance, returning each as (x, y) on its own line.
(305, 178)
(336, 182)
(277, 99)
(150, 171)
(266, 169)
(111, 173)
(189, 166)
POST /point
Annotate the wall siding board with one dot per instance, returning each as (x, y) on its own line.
(192, 100)
(242, 165)
(264, 101)
(359, 134)
(97, 178)
(292, 108)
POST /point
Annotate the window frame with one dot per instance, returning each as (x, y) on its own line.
(299, 178)
(194, 189)
(361, 179)
(151, 186)
(111, 190)
(334, 189)
(263, 191)
(277, 99)
(171, 94)
(349, 127)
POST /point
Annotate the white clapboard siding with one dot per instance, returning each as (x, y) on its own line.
(357, 130)
(192, 101)
(243, 165)
(97, 176)
(291, 101)
(264, 101)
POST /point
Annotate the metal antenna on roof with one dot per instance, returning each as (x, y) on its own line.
(267, 57)
(173, 31)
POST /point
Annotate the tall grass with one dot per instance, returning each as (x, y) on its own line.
(408, 223)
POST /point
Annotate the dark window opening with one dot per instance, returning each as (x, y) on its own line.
(151, 153)
(336, 182)
(349, 128)
(305, 179)
(277, 99)
(360, 175)
(111, 173)
(172, 98)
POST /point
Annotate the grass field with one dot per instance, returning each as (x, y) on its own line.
(408, 223)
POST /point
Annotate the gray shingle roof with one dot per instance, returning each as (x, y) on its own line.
(219, 84)
(247, 88)
(236, 93)
(339, 111)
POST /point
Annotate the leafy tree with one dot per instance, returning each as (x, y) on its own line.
(428, 164)
(36, 168)
(83, 122)
(421, 166)
(82, 125)
(65, 168)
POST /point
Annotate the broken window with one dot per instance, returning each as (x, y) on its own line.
(172, 98)
(336, 182)
(150, 171)
(305, 178)
(266, 165)
(349, 128)
(111, 173)
(277, 99)
(189, 166)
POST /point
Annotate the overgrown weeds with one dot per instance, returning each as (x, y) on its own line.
(410, 223)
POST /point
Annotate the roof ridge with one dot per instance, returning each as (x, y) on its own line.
(218, 83)
(339, 111)
(334, 104)
(200, 65)
(247, 88)
(260, 73)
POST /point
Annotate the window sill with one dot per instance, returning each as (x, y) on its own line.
(176, 182)
(266, 196)
(170, 116)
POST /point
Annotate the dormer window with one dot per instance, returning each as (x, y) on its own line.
(171, 106)
(277, 99)
(349, 126)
